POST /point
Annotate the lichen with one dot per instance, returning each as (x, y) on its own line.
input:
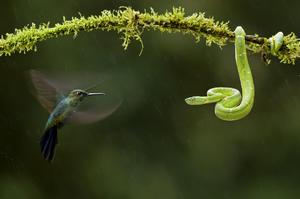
(131, 24)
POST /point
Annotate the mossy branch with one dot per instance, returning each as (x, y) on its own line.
(131, 24)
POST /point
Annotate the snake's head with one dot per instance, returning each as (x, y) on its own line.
(196, 100)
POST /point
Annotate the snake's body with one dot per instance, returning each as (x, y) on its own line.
(230, 104)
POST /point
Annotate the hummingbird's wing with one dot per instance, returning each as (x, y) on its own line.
(46, 93)
(91, 116)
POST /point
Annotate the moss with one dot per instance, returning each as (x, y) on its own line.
(131, 24)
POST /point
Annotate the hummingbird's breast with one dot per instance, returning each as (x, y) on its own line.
(61, 112)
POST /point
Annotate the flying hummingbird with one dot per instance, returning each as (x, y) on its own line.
(63, 109)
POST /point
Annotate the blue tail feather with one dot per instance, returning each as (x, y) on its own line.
(48, 142)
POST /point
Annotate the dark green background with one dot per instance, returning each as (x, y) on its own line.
(154, 145)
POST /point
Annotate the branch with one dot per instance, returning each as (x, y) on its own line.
(131, 24)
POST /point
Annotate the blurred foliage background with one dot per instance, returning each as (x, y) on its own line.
(154, 145)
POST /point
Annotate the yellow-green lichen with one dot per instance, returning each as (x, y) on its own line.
(131, 24)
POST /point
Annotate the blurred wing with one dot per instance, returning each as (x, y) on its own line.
(46, 93)
(91, 116)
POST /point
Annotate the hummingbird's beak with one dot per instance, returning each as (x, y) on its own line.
(92, 94)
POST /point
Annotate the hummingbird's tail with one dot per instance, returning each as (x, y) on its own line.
(48, 142)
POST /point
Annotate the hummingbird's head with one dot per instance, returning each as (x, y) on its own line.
(78, 95)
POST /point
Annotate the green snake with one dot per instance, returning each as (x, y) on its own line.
(276, 42)
(230, 104)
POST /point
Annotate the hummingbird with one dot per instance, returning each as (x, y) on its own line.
(63, 109)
